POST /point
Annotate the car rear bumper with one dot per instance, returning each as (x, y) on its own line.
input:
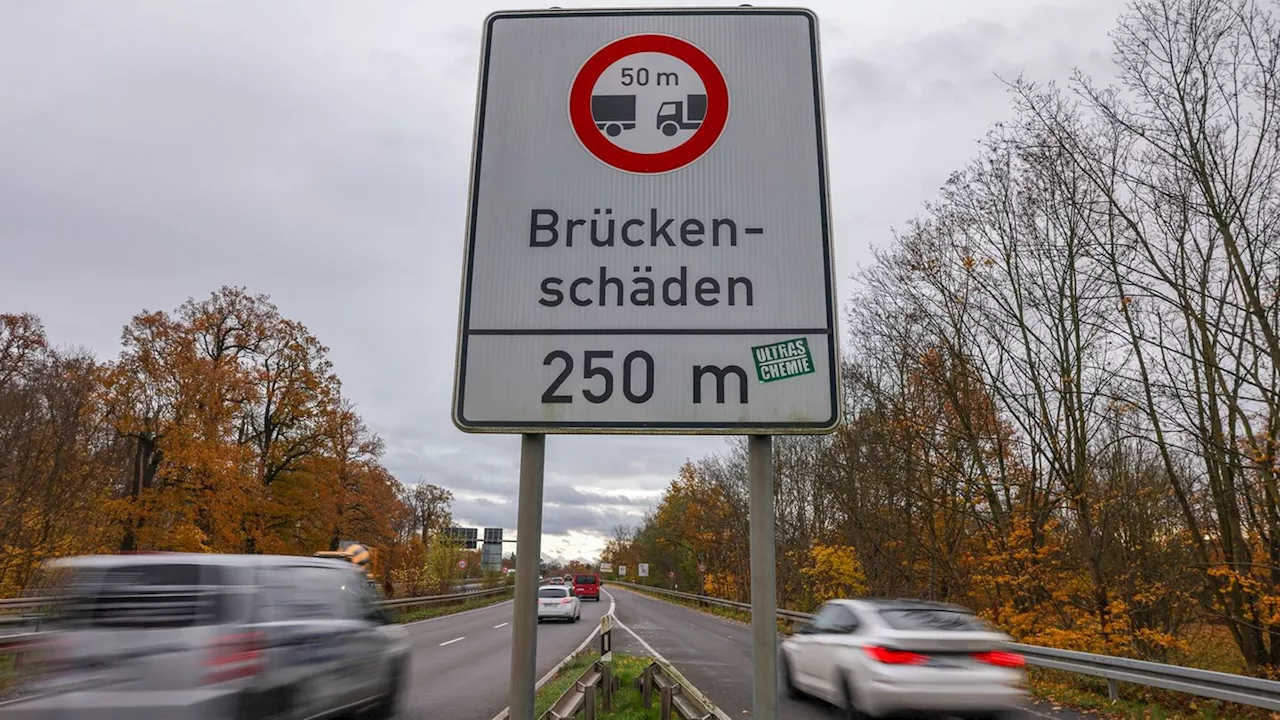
(882, 698)
(555, 611)
(126, 705)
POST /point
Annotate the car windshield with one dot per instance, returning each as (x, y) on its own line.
(552, 593)
(931, 618)
(585, 580)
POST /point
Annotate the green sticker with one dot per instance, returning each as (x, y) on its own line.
(782, 360)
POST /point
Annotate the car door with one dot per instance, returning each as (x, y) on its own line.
(815, 650)
(838, 636)
(806, 647)
(305, 613)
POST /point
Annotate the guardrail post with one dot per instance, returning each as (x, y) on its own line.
(646, 687)
(1113, 690)
(589, 701)
(664, 712)
(606, 676)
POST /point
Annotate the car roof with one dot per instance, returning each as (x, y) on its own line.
(167, 558)
(880, 604)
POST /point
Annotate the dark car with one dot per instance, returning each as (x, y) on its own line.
(587, 586)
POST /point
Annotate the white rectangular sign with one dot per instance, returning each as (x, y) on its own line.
(606, 567)
(644, 569)
(622, 571)
(649, 244)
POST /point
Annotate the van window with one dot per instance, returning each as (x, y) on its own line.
(585, 580)
(303, 592)
(147, 596)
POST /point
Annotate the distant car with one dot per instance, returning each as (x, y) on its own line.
(557, 581)
(568, 579)
(557, 603)
(877, 658)
(587, 586)
(215, 637)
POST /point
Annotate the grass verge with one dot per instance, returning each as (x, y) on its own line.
(627, 702)
(429, 612)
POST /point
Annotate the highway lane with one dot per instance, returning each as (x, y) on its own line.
(715, 655)
(461, 663)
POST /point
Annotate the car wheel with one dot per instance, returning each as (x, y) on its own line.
(386, 707)
(851, 710)
(788, 682)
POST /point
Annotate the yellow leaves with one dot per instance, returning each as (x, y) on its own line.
(833, 571)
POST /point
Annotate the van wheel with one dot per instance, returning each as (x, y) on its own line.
(386, 707)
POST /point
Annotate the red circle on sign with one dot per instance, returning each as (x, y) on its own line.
(595, 141)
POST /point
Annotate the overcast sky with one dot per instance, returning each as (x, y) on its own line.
(318, 150)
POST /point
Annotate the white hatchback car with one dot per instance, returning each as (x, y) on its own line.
(557, 602)
(883, 657)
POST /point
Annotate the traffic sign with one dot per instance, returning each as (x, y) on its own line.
(462, 564)
(643, 569)
(702, 567)
(671, 573)
(639, 76)
(648, 243)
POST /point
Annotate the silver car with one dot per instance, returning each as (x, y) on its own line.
(557, 602)
(877, 658)
(231, 637)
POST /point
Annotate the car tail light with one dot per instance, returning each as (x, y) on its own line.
(234, 656)
(566, 601)
(889, 656)
(1000, 658)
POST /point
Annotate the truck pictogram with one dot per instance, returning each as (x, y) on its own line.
(677, 115)
(614, 113)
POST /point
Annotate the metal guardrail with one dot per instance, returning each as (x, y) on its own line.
(675, 694)
(441, 599)
(580, 698)
(1242, 689)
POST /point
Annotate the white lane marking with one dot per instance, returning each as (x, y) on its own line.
(495, 627)
(552, 673)
(450, 642)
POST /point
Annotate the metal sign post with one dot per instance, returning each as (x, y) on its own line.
(764, 600)
(648, 250)
(524, 622)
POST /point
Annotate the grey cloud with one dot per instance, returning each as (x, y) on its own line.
(317, 150)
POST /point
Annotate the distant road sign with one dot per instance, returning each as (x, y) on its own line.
(462, 564)
(702, 567)
(677, 275)
(671, 573)
(622, 571)
(606, 567)
(644, 569)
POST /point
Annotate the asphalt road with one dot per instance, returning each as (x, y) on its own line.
(715, 655)
(461, 663)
